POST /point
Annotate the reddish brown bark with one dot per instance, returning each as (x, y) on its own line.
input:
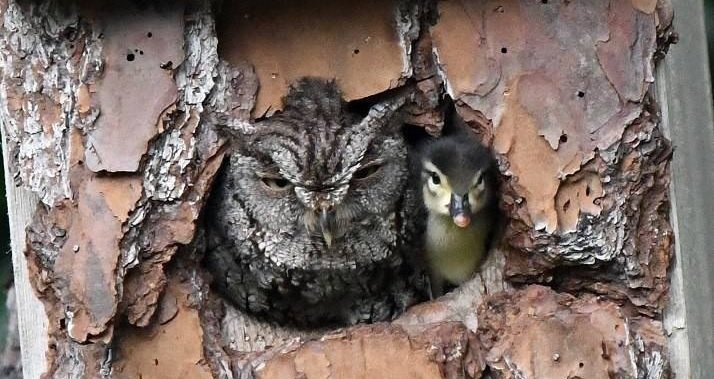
(112, 116)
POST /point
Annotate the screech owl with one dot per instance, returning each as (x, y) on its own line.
(309, 220)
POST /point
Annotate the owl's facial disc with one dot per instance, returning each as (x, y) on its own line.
(331, 173)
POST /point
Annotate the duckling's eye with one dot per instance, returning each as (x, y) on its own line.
(480, 180)
(435, 179)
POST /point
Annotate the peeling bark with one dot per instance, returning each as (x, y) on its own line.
(559, 90)
(114, 116)
(536, 333)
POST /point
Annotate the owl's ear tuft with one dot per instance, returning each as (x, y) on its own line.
(238, 137)
(363, 105)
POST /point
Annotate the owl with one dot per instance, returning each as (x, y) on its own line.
(310, 219)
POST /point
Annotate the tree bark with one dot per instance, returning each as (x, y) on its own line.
(113, 113)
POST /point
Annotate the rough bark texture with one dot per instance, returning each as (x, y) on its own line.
(112, 115)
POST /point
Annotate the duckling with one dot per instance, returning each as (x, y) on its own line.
(458, 192)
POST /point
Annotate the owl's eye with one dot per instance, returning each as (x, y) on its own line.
(274, 183)
(366, 172)
(435, 179)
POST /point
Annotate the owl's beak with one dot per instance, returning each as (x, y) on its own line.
(460, 210)
(326, 221)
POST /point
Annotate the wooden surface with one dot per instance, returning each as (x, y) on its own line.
(684, 88)
(32, 319)
(686, 102)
